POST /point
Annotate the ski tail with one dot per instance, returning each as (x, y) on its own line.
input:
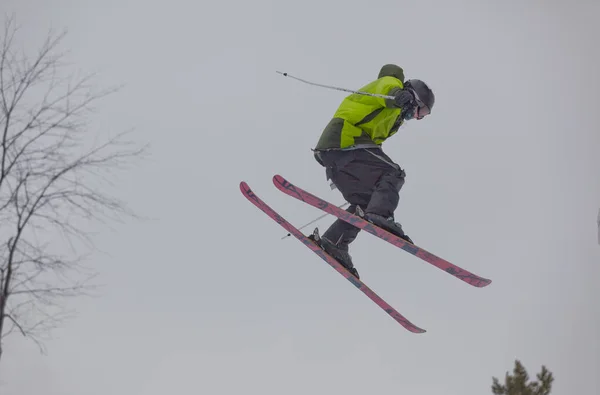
(254, 199)
(294, 191)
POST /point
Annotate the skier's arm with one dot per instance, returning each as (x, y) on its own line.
(391, 87)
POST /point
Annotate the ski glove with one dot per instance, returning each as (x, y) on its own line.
(404, 98)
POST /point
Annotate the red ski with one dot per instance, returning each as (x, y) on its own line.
(251, 196)
(290, 189)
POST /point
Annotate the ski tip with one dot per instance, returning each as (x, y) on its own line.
(281, 183)
(412, 327)
(484, 282)
(244, 187)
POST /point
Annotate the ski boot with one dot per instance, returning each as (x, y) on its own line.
(385, 223)
(338, 253)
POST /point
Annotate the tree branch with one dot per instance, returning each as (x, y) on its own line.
(49, 177)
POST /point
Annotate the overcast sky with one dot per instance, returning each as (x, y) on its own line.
(204, 298)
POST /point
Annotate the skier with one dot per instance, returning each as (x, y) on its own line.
(350, 150)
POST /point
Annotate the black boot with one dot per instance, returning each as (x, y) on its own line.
(388, 224)
(337, 252)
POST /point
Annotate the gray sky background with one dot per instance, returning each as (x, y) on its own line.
(204, 298)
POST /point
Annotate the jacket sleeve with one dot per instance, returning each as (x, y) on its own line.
(389, 86)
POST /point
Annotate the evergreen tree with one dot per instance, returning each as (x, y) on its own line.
(517, 383)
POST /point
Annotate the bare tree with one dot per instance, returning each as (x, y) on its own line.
(52, 184)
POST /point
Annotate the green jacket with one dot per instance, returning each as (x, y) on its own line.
(366, 120)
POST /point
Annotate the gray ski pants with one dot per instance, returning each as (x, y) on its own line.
(367, 178)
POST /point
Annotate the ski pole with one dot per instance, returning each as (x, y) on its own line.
(337, 88)
(314, 220)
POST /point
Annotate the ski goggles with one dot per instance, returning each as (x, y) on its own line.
(422, 109)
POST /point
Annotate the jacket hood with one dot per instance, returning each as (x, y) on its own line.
(391, 70)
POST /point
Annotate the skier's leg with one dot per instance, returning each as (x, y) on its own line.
(386, 195)
(373, 181)
(340, 234)
(336, 241)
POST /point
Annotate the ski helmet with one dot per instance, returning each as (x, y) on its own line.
(423, 94)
